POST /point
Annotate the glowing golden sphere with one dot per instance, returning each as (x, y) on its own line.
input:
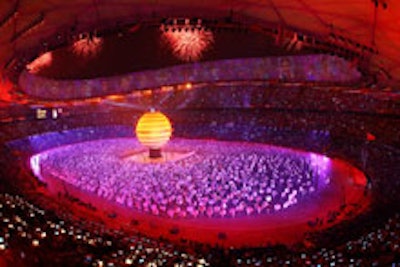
(153, 129)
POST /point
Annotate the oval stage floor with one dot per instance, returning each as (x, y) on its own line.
(174, 198)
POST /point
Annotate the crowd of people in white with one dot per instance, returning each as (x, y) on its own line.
(219, 179)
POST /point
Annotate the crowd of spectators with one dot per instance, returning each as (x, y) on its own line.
(256, 94)
(297, 68)
(46, 239)
(366, 241)
(34, 236)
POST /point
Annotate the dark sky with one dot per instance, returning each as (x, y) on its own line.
(143, 49)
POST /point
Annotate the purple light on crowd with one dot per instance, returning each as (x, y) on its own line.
(321, 164)
(255, 179)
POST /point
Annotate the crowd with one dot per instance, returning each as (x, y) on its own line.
(38, 237)
(218, 180)
(366, 241)
(275, 96)
(46, 239)
(242, 69)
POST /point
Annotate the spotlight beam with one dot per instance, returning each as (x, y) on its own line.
(126, 105)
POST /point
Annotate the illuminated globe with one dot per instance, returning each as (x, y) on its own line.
(153, 130)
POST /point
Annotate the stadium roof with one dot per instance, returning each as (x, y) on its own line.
(368, 26)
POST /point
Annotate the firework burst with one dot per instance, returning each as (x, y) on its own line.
(188, 44)
(88, 46)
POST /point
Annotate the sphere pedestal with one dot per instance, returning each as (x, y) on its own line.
(155, 153)
(151, 157)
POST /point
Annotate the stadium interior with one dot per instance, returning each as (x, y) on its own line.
(209, 133)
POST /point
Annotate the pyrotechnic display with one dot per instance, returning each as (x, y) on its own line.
(88, 46)
(188, 43)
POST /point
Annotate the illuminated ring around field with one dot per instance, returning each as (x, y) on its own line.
(68, 168)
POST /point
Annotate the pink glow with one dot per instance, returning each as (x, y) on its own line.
(40, 62)
(35, 165)
(322, 165)
(188, 44)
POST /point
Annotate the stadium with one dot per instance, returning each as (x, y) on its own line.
(179, 133)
